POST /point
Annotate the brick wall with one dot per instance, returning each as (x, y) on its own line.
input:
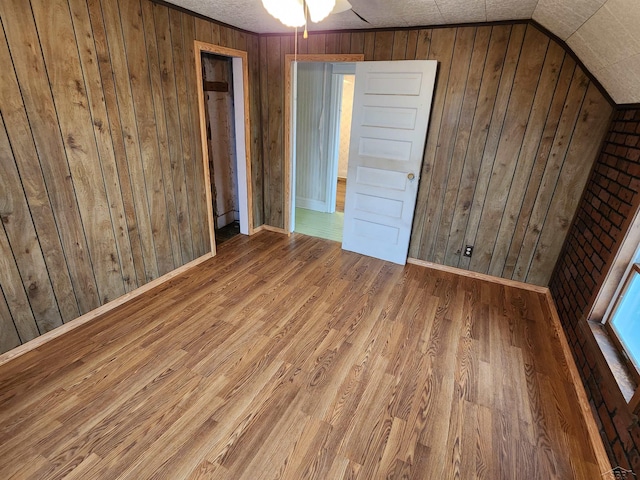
(610, 201)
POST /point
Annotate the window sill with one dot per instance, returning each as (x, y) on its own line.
(616, 363)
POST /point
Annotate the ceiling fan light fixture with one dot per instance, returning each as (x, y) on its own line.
(341, 6)
(320, 9)
(289, 12)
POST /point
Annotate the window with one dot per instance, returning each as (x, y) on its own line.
(623, 322)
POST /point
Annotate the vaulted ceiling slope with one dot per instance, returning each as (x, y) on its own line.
(604, 34)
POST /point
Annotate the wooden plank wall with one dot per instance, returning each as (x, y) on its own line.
(515, 128)
(101, 178)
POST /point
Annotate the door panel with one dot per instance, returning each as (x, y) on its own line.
(391, 110)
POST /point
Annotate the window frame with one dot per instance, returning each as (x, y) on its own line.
(632, 270)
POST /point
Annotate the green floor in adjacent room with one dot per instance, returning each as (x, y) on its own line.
(319, 224)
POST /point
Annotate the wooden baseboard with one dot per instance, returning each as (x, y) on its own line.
(480, 276)
(587, 414)
(93, 314)
(585, 408)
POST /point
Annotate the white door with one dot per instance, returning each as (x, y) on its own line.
(391, 107)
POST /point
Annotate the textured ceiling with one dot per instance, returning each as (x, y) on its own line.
(604, 34)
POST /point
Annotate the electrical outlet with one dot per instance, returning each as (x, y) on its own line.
(468, 251)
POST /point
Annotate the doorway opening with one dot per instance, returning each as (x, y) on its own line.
(322, 121)
(223, 104)
(217, 83)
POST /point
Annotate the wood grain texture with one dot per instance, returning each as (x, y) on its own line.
(9, 337)
(196, 172)
(160, 18)
(104, 142)
(21, 233)
(298, 360)
(489, 149)
(55, 29)
(99, 130)
(23, 152)
(22, 43)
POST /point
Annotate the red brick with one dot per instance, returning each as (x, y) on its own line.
(620, 455)
(607, 424)
(622, 420)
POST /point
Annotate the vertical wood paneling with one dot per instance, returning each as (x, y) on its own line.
(440, 46)
(9, 337)
(141, 90)
(462, 137)
(400, 39)
(264, 132)
(141, 245)
(15, 294)
(546, 191)
(101, 187)
(501, 103)
(369, 46)
(357, 43)
(203, 31)
(153, 57)
(443, 160)
(331, 43)
(383, 46)
(176, 167)
(316, 43)
(521, 99)
(256, 131)
(586, 139)
(412, 44)
(104, 142)
(194, 170)
(273, 146)
(345, 43)
(546, 142)
(21, 233)
(122, 111)
(24, 153)
(226, 37)
(505, 110)
(172, 19)
(528, 151)
(481, 120)
(59, 48)
(423, 44)
(30, 72)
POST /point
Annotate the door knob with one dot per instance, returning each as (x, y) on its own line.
(411, 176)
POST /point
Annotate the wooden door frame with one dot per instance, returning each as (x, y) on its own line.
(199, 49)
(288, 91)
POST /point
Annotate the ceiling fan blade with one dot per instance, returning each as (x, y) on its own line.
(361, 17)
(341, 6)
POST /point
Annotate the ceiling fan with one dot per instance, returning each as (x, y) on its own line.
(343, 6)
(294, 13)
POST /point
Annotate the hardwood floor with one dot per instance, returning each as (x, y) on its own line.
(289, 358)
(341, 193)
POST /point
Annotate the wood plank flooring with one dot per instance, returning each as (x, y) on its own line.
(289, 358)
(341, 193)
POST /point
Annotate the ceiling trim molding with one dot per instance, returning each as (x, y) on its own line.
(394, 29)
